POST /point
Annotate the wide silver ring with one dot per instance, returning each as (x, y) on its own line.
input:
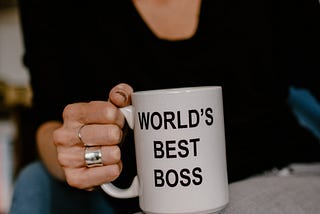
(93, 156)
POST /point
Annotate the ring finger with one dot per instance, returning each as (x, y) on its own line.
(75, 156)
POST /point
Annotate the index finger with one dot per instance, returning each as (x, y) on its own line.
(94, 112)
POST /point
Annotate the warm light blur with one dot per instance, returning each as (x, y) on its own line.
(15, 94)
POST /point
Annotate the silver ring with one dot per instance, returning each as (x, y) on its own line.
(80, 136)
(93, 157)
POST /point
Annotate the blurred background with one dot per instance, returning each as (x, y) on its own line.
(15, 96)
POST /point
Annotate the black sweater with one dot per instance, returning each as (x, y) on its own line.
(253, 49)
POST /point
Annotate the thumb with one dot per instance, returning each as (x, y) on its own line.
(120, 95)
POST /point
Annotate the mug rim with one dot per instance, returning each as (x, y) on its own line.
(177, 90)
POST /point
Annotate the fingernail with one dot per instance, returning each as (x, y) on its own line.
(123, 95)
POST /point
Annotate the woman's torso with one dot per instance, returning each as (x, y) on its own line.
(231, 47)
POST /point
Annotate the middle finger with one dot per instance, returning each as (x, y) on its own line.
(98, 134)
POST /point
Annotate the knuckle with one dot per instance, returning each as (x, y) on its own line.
(59, 136)
(114, 133)
(109, 112)
(61, 159)
(117, 153)
(68, 111)
(75, 180)
(114, 172)
(74, 111)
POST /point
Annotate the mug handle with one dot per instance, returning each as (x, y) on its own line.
(133, 190)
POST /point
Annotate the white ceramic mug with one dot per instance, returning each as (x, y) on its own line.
(180, 151)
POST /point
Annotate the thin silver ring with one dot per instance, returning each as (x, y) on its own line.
(93, 157)
(80, 136)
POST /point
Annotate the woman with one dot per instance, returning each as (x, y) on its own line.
(79, 57)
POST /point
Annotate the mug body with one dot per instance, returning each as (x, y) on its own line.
(180, 150)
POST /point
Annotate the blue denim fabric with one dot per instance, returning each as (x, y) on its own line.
(37, 192)
(306, 108)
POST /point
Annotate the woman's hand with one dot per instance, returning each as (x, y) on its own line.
(95, 126)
